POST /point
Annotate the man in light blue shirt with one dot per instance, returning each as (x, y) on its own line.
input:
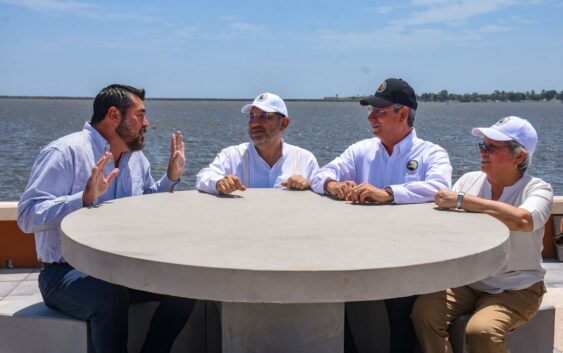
(102, 162)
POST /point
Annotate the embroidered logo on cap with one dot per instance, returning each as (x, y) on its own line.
(382, 87)
(502, 121)
(262, 97)
(412, 166)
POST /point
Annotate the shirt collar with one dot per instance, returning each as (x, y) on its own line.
(404, 145)
(510, 190)
(99, 143)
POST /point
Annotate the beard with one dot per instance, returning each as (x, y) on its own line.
(261, 134)
(135, 140)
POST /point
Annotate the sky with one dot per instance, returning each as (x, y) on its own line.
(297, 49)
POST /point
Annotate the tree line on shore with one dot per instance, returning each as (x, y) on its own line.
(496, 96)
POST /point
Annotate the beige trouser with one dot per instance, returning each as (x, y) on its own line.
(493, 316)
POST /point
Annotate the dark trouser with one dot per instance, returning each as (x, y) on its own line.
(106, 306)
(402, 336)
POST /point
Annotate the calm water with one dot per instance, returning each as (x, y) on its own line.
(324, 128)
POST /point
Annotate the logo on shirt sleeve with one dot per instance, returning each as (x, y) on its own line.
(412, 166)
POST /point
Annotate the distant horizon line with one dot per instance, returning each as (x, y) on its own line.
(329, 99)
(182, 99)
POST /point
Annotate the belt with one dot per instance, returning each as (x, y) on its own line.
(47, 265)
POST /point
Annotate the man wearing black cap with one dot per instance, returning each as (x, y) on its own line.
(393, 167)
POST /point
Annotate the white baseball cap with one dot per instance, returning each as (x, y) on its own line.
(511, 128)
(267, 102)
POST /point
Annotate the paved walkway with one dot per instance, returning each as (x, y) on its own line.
(21, 285)
(554, 296)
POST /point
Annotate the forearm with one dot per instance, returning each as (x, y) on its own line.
(516, 219)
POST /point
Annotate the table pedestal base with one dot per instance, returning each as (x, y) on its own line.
(280, 328)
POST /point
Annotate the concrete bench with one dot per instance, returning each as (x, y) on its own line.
(27, 325)
(370, 330)
(37, 328)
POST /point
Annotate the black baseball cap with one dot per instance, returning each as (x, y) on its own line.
(392, 91)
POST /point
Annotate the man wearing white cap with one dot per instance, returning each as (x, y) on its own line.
(265, 162)
(505, 301)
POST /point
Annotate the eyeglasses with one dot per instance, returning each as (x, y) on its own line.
(263, 116)
(377, 113)
(486, 148)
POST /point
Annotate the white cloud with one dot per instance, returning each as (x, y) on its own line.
(115, 16)
(80, 9)
(242, 26)
(428, 2)
(185, 32)
(451, 12)
(430, 24)
(393, 41)
(494, 29)
(49, 5)
(383, 9)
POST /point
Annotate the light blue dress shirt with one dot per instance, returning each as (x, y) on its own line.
(58, 179)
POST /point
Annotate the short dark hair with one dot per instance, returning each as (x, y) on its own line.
(114, 95)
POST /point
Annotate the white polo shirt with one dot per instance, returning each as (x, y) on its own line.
(415, 170)
(245, 162)
(524, 266)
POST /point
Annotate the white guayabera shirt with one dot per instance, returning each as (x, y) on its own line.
(244, 161)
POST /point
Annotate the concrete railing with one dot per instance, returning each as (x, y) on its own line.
(8, 211)
(18, 249)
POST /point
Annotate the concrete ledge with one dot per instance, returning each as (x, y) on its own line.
(27, 326)
(557, 205)
(8, 211)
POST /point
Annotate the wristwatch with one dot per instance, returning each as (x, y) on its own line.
(389, 190)
(459, 199)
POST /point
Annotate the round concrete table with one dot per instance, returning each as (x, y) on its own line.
(282, 262)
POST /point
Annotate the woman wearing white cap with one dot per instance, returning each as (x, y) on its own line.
(503, 302)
